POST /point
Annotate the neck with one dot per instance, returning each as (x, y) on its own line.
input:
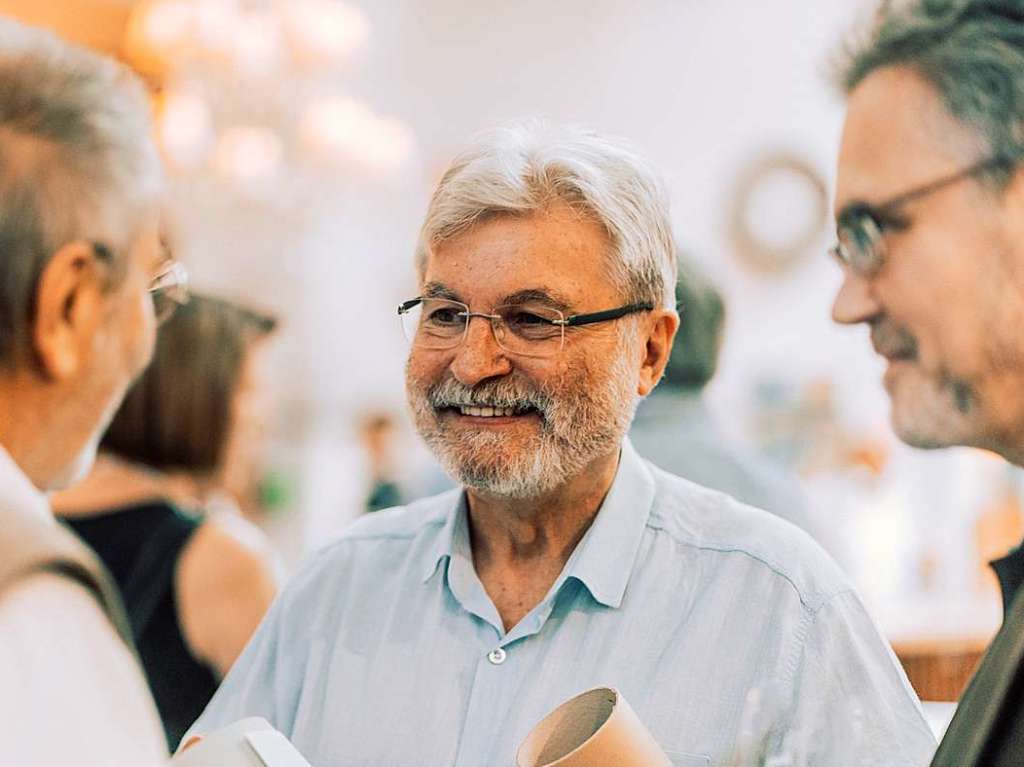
(115, 483)
(548, 527)
(26, 437)
(520, 546)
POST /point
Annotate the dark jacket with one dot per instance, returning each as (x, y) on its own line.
(988, 728)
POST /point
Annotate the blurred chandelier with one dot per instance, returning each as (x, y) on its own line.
(251, 96)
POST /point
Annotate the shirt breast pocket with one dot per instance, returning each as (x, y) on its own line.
(680, 759)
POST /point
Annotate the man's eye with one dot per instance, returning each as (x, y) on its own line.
(526, 319)
(446, 316)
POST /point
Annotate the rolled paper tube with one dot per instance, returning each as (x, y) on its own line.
(595, 729)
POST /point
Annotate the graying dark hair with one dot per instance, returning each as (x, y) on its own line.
(970, 51)
(695, 350)
(525, 166)
(77, 162)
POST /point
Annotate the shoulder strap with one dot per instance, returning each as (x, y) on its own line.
(29, 546)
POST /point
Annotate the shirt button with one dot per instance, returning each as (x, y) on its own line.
(497, 657)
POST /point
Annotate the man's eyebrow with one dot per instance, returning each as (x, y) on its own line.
(552, 298)
(440, 290)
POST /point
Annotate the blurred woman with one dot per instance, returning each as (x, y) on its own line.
(195, 583)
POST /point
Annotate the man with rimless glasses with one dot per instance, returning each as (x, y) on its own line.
(442, 632)
(930, 212)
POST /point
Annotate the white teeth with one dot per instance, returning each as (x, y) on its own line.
(486, 411)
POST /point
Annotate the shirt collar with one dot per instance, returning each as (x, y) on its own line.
(454, 530)
(17, 493)
(603, 560)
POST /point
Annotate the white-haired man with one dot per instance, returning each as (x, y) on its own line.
(440, 633)
(79, 252)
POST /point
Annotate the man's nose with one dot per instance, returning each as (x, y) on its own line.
(479, 357)
(855, 302)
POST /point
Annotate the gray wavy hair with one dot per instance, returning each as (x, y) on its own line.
(970, 51)
(77, 162)
(522, 167)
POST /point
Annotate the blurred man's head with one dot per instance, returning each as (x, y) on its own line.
(533, 226)
(79, 245)
(699, 340)
(930, 210)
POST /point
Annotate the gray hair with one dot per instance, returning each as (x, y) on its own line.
(970, 51)
(77, 162)
(523, 167)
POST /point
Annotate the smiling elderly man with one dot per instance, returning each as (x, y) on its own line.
(438, 634)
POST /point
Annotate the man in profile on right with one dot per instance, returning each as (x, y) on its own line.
(930, 218)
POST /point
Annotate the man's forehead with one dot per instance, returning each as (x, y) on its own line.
(897, 135)
(546, 256)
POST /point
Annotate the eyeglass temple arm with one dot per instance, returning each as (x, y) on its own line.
(608, 314)
(405, 306)
(922, 191)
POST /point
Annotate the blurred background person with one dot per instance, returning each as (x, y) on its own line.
(195, 583)
(378, 438)
(79, 252)
(675, 429)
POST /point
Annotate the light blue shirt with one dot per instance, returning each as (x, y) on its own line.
(386, 650)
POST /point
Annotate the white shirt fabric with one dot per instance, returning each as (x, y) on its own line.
(71, 693)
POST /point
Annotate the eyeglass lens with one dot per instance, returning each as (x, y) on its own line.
(524, 329)
(861, 245)
(169, 290)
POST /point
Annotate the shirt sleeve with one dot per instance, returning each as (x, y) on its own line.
(853, 703)
(71, 692)
(262, 682)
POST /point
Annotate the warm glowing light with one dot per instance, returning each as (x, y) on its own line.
(345, 131)
(185, 128)
(256, 42)
(249, 153)
(325, 30)
(166, 23)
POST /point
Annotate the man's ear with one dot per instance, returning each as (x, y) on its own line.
(68, 303)
(657, 350)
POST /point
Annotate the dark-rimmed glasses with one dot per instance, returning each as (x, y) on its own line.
(527, 330)
(861, 227)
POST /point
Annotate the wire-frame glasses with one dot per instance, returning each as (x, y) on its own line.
(861, 227)
(524, 329)
(169, 290)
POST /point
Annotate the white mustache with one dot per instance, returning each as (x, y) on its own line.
(450, 393)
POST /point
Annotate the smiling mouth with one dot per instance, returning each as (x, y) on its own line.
(489, 411)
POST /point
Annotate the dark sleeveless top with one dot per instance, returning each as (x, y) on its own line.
(141, 546)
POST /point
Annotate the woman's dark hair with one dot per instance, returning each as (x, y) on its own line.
(177, 416)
